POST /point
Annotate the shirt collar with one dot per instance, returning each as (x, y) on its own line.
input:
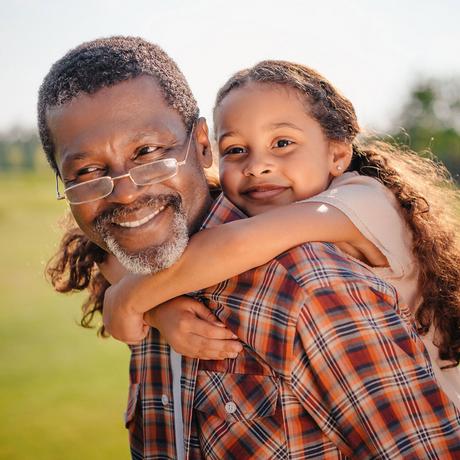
(222, 211)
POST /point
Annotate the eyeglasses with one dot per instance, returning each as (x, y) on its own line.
(148, 174)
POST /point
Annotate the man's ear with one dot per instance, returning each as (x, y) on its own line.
(340, 157)
(203, 146)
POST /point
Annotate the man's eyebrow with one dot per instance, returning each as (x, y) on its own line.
(71, 157)
(152, 133)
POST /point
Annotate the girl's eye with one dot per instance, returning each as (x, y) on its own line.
(234, 151)
(282, 143)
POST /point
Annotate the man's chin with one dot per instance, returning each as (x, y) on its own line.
(153, 259)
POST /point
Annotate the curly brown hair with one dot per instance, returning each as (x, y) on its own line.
(74, 268)
(429, 200)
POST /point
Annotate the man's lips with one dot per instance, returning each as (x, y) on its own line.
(264, 191)
(139, 222)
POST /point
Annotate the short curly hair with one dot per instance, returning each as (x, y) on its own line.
(103, 63)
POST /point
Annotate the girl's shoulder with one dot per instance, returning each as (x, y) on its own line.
(355, 182)
(375, 212)
(365, 201)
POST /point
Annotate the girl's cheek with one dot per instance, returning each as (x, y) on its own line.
(228, 178)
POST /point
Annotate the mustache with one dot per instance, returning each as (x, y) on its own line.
(120, 211)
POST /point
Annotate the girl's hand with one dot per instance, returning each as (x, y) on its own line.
(120, 321)
(192, 330)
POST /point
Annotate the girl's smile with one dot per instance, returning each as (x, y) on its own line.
(263, 191)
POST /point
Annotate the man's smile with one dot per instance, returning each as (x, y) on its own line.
(145, 223)
(140, 222)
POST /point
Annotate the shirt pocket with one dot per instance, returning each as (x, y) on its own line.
(133, 395)
(236, 397)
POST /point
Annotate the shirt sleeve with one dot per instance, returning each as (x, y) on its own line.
(361, 373)
(373, 210)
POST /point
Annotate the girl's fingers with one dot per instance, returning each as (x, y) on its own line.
(209, 330)
(204, 348)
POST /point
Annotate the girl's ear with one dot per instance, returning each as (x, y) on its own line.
(204, 152)
(340, 158)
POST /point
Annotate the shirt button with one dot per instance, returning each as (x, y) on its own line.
(230, 407)
(164, 400)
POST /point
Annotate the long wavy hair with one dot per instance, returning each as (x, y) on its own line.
(428, 198)
(74, 268)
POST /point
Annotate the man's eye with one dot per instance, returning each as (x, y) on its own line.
(87, 171)
(147, 150)
(234, 151)
(83, 174)
(282, 143)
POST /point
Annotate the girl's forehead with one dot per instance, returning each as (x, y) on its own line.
(265, 89)
(260, 99)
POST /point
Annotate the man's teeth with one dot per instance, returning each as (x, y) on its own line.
(138, 223)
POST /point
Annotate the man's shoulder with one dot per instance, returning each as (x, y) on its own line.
(320, 265)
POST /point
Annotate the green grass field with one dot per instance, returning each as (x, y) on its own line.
(62, 390)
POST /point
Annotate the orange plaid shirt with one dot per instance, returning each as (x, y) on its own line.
(330, 370)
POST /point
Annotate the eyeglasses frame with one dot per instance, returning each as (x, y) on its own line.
(128, 174)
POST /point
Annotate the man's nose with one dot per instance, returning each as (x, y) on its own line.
(125, 191)
(258, 164)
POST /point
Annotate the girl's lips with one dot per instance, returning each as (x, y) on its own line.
(263, 192)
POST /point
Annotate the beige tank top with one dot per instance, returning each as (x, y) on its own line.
(374, 210)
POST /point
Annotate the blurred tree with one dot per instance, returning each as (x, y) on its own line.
(19, 149)
(430, 120)
(4, 163)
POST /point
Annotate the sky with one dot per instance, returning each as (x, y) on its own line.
(373, 50)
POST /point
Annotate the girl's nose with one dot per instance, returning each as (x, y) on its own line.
(257, 165)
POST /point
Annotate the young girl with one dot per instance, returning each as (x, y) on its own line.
(289, 159)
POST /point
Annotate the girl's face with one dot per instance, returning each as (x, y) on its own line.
(272, 152)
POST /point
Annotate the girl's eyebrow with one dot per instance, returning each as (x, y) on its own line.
(227, 134)
(283, 124)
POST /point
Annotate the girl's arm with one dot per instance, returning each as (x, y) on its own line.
(218, 253)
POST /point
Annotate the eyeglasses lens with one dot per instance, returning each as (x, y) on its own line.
(152, 173)
(89, 191)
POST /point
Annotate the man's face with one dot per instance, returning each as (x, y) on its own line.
(112, 131)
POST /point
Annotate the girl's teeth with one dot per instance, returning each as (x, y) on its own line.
(138, 223)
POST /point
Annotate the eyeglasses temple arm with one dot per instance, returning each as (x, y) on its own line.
(180, 163)
(58, 193)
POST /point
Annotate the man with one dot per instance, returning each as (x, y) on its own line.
(329, 369)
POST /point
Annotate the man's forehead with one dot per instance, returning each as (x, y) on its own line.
(142, 92)
(116, 115)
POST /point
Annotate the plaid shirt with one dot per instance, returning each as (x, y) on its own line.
(330, 370)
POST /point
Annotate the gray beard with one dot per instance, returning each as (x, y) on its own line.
(155, 258)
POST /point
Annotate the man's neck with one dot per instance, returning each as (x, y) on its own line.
(203, 215)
